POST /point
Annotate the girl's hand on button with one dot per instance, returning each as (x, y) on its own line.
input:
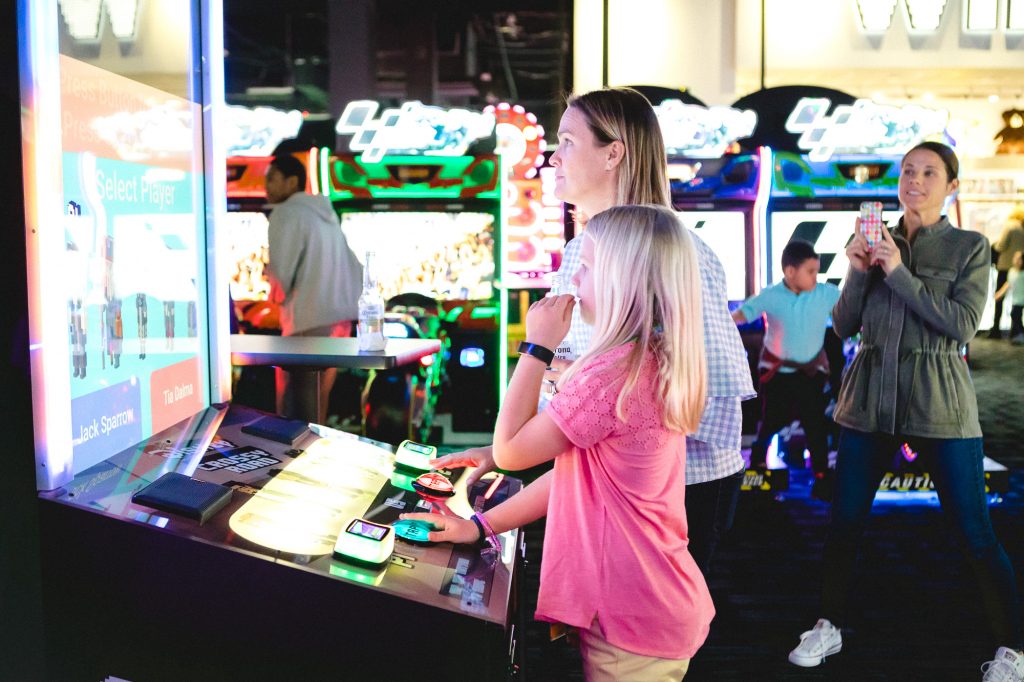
(448, 528)
(481, 458)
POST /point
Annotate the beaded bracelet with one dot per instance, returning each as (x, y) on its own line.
(486, 531)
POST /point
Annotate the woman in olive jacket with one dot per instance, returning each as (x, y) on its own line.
(916, 298)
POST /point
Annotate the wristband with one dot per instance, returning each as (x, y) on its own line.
(545, 355)
(486, 531)
(479, 527)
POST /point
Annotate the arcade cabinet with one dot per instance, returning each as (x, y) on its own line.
(714, 185)
(434, 223)
(179, 532)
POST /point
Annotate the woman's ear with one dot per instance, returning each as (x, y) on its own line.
(616, 152)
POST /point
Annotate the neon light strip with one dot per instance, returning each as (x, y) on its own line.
(39, 53)
(501, 347)
(325, 171)
(494, 486)
(311, 172)
(218, 258)
(764, 189)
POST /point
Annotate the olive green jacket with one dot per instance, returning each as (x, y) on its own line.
(909, 376)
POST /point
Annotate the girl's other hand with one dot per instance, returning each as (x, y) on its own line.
(449, 528)
(886, 253)
(858, 252)
(547, 321)
(481, 458)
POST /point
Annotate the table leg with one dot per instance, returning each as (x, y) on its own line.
(306, 394)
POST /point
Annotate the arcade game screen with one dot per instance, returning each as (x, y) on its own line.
(725, 233)
(447, 256)
(247, 237)
(119, 272)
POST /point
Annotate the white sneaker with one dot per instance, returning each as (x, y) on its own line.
(815, 644)
(1007, 666)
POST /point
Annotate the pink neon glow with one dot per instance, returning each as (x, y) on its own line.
(494, 486)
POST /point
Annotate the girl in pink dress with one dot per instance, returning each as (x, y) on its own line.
(615, 564)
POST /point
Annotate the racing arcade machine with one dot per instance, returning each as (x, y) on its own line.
(715, 185)
(422, 189)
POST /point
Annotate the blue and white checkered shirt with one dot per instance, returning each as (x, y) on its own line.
(714, 451)
(578, 338)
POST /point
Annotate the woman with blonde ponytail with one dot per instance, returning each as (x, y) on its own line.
(616, 564)
(611, 153)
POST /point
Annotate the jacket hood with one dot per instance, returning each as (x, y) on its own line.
(317, 203)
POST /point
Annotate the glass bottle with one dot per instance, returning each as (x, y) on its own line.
(370, 330)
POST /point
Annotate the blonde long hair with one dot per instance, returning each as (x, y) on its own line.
(626, 116)
(647, 289)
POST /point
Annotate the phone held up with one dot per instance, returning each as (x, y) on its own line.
(871, 222)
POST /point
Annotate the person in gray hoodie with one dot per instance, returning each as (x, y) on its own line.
(314, 276)
(916, 298)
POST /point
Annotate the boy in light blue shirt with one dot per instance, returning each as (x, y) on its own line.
(793, 367)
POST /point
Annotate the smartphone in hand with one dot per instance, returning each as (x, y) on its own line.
(871, 222)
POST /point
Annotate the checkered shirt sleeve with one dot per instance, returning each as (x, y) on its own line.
(706, 458)
(578, 339)
(713, 452)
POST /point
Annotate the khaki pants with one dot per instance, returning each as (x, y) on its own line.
(603, 662)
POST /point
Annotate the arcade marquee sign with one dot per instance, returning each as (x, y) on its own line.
(864, 127)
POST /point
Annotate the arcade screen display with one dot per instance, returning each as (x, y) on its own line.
(828, 231)
(118, 308)
(725, 233)
(250, 249)
(444, 255)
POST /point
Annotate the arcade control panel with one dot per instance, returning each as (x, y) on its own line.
(466, 578)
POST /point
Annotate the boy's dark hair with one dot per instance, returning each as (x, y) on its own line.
(796, 252)
(290, 167)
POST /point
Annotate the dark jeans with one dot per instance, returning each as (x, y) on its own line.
(1016, 328)
(710, 508)
(793, 395)
(955, 465)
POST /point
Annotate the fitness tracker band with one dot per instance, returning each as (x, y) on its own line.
(545, 355)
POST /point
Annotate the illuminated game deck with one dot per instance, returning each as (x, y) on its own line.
(269, 553)
(291, 502)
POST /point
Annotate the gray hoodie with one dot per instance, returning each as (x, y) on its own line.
(311, 264)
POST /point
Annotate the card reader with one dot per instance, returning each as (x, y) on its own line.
(413, 455)
(365, 542)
